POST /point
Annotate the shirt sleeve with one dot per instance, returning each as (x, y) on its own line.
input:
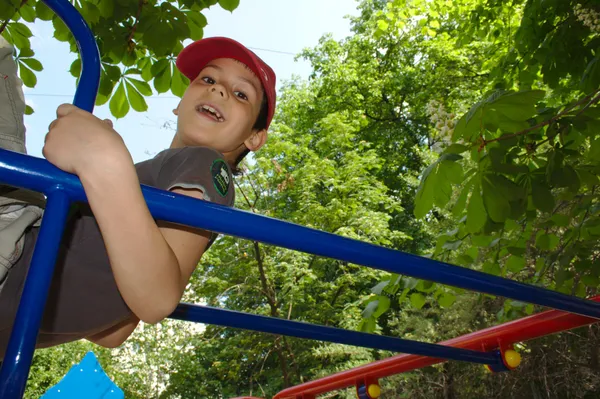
(198, 168)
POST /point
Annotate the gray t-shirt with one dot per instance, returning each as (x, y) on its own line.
(84, 298)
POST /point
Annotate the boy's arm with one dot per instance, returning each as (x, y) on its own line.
(151, 265)
(116, 335)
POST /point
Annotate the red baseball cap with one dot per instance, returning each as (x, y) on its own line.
(193, 58)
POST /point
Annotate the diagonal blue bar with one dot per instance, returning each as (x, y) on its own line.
(85, 95)
(246, 321)
(21, 345)
(38, 174)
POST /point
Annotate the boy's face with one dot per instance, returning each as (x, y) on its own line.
(220, 108)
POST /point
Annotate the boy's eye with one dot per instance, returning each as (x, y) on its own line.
(241, 95)
(209, 80)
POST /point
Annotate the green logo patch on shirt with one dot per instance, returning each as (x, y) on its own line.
(220, 176)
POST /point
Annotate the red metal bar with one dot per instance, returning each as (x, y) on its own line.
(531, 327)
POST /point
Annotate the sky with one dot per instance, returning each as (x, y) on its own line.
(276, 30)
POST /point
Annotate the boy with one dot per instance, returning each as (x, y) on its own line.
(118, 266)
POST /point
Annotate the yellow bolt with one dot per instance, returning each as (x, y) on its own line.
(488, 368)
(512, 358)
(374, 391)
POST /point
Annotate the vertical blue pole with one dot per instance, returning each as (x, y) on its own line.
(85, 95)
(21, 345)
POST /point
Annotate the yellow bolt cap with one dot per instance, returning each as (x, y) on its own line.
(512, 358)
(374, 391)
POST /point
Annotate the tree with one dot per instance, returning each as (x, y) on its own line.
(138, 41)
(321, 181)
(530, 184)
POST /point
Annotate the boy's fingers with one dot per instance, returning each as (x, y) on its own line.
(65, 109)
(52, 124)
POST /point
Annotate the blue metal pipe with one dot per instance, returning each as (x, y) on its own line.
(21, 345)
(246, 321)
(85, 95)
(36, 174)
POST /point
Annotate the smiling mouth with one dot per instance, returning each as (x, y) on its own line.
(210, 112)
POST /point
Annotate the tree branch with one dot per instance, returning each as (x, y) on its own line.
(137, 21)
(5, 23)
(590, 99)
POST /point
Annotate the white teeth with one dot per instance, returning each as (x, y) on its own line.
(213, 111)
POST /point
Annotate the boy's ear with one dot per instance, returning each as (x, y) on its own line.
(256, 140)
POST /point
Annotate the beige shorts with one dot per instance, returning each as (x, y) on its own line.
(16, 212)
(12, 101)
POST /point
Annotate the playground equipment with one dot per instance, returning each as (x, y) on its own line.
(490, 347)
(85, 379)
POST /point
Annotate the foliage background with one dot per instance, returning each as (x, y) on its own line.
(466, 131)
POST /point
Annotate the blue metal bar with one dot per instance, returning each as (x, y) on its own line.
(37, 174)
(21, 345)
(246, 321)
(85, 95)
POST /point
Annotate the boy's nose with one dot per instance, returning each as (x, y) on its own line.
(220, 91)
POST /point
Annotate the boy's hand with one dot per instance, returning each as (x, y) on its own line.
(78, 140)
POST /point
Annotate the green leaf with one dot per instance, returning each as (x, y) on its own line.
(90, 12)
(196, 23)
(119, 106)
(178, 83)
(455, 149)
(27, 12)
(452, 171)
(546, 241)
(496, 204)
(461, 202)
(106, 8)
(27, 76)
(481, 240)
(542, 196)
(492, 268)
(516, 251)
(43, 12)
(28, 110)
(147, 74)
(425, 193)
(75, 68)
(540, 263)
(367, 325)
(590, 280)
(61, 32)
(383, 304)
(382, 25)
(425, 286)
(26, 53)
(141, 86)
(446, 300)
(21, 29)
(370, 309)
(137, 101)
(378, 289)
(560, 220)
(162, 81)
(403, 296)
(452, 245)
(410, 283)
(515, 264)
(417, 300)
(229, 5)
(476, 214)
(33, 64)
